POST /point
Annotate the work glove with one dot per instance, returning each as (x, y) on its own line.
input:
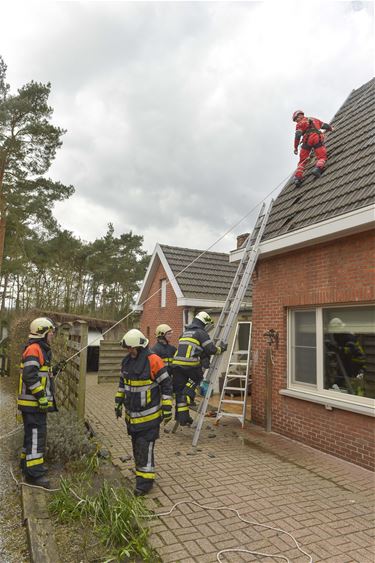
(205, 362)
(43, 403)
(167, 413)
(221, 348)
(59, 367)
(166, 405)
(295, 151)
(118, 410)
(189, 391)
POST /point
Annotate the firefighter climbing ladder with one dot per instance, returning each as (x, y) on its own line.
(231, 308)
(236, 380)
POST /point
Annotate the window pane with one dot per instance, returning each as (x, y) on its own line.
(305, 365)
(163, 293)
(304, 347)
(305, 333)
(349, 350)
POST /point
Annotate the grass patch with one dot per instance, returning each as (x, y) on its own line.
(118, 519)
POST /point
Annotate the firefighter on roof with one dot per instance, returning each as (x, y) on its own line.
(309, 130)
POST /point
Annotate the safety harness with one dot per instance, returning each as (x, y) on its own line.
(306, 135)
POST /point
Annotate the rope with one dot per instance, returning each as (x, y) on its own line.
(18, 483)
(251, 522)
(221, 508)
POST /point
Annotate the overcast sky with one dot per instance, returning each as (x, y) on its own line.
(179, 113)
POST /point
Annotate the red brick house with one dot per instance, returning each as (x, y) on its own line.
(314, 284)
(204, 285)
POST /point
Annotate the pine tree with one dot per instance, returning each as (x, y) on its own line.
(28, 145)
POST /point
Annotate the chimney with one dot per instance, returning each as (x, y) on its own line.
(241, 239)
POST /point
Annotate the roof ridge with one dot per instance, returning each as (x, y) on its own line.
(162, 246)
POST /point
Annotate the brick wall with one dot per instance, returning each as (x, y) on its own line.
(153, 314)
(337, 272)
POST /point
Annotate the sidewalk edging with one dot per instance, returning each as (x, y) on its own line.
(40, 532)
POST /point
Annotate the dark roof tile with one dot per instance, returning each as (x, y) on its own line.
(209, 277)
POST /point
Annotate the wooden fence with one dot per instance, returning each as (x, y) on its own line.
(70, 386)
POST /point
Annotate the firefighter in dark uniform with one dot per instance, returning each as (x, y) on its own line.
(163, 348)
(35, 398)
(145, 390)
(192, 357)
(346, 359)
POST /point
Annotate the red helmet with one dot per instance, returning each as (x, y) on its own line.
(297, 113)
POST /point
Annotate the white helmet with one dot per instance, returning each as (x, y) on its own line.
(205, 318)
(40, 327)
(134, 339)
(336, 325)
(162, 329)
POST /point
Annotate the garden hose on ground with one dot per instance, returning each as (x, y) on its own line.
(252, 523)
(221, 508)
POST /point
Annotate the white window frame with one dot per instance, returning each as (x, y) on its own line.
(316, 393)
(163, 293)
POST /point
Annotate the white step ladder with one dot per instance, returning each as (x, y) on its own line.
(231, 308)
(236, 379)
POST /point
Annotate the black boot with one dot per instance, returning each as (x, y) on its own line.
(317, 172)
(38, 481)
(186, 421)
(139, 493)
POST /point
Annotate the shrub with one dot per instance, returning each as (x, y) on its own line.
(67, 437)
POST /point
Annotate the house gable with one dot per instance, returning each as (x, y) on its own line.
(199, 278)
(157, 259)
(156, 310)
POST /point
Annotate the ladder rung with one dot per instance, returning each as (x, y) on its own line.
(237, 364)
(235, 388)
(236, 375)
(232, 402)
(233, 415)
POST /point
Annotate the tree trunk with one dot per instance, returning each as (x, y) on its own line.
(2, 211)
(5, 287)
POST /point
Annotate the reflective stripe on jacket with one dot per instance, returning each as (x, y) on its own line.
(35, 377)
(144, 385)
(193, 343)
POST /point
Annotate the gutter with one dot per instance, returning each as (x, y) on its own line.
(356, 221)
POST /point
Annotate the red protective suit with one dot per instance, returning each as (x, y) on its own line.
(312, 139)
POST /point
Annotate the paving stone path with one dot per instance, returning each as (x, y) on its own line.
(326, 503)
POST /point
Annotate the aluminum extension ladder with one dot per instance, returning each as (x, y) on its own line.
(236, 379)
(231, 308)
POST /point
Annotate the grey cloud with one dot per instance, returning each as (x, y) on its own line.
(180, 113)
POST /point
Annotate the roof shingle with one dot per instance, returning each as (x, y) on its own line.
(210, 277)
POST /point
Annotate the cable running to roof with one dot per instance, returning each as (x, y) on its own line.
(186, 267)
